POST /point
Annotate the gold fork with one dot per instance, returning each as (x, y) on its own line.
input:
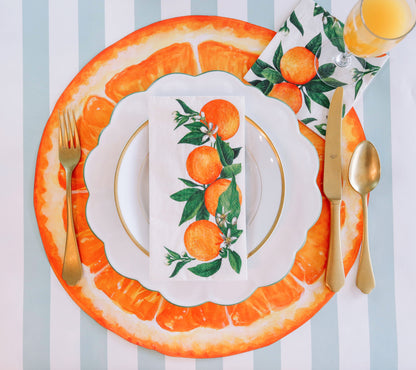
(69, 156)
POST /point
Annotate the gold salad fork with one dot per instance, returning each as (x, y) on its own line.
(69, 156)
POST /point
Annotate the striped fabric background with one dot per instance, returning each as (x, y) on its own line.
(44, 44)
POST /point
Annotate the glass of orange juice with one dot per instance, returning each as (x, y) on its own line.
(374, 27)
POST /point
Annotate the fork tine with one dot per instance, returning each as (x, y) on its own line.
(75, 131)
(65, 130)
(69, 129)
(60, 130)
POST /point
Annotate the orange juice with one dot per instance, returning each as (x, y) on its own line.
(375, 26)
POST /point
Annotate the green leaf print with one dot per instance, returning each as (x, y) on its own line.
(194, 138)
(259, 66)
(334, 30)
(326, 70)
(192, 206)
(202, 213)
(315, 45)
(224, 151)
(235, 260)
(319, 98)
(228, 206)
(294, 20)
(264, 86)
(272, 75)
(232, 170)
(184, 194)
(185, 108)
(358, 86)
(206, 269)
(318, 10)
(278, 56)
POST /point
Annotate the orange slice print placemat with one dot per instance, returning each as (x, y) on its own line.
(191, 45)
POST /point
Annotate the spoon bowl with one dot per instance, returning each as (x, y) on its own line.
(364, 175)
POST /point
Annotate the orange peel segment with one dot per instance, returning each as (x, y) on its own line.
(190, 45)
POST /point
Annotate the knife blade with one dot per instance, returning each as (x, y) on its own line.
(335, 276)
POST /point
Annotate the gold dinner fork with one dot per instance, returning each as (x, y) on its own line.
(69, 156)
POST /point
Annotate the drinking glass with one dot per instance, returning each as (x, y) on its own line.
(374, 27)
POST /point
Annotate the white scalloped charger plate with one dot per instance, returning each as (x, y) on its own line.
(283, 200)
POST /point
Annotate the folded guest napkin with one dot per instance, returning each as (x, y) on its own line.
(286, 70)
(197, 188)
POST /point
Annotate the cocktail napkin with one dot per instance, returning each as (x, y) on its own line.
(286, 68)
(197, 188)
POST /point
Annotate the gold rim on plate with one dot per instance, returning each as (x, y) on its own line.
(273, 226)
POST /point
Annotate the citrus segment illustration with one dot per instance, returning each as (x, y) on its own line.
(203, 164)
(213, 192)
(215, 55)
(203, 240)
(174, 58)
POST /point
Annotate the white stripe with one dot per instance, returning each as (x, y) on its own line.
(119, 22)
(232, 9)
(170, 9)
(63, 66)
(178, 363)
(63, 47)
(353, 321)
(242, 361)
(296, 349)
(11, 164)
(64, 330)
(353, 325)
(119, 19)
(403, 136)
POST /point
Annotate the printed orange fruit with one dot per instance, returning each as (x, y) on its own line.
(203, 240)
(123, 305)
(213, 192)
(298, 65)
(224, 116)
(203, 164)
(288, 93)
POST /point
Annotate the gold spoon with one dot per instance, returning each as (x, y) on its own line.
(364, 175)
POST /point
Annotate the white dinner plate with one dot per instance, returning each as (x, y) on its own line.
(283, 199)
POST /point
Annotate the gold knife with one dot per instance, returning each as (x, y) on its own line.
(335, 276)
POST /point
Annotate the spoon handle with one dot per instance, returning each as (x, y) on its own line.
(335, 276)
(365, 276)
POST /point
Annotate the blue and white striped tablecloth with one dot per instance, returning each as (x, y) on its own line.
(43, 46)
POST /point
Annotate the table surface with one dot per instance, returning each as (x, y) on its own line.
(43, 328)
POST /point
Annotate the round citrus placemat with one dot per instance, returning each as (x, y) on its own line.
(190, 45)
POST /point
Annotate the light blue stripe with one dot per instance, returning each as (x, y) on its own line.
(36, 295)
(261, 13)
(91, 29)
(381, 301)
(326, 4)
(91, 33)
(268, 358)
(204, 7)
(146, 12)
(150, 360)
(209, 364)
(325, 343)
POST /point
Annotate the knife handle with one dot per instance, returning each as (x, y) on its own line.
(335, 276)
